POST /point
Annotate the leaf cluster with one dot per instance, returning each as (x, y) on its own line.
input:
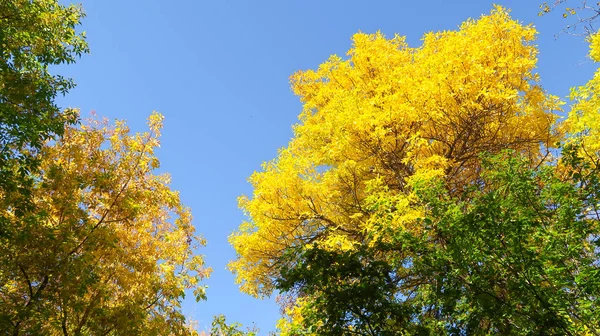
(34, 35)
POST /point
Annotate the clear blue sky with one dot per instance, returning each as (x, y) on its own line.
(218, 70)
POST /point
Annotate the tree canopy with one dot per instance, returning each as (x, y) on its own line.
(34, 35)
(109, 248)
(388, 113)
(435, 189)
(424, 192)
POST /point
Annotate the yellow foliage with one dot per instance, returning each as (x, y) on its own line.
(384, 114)
(114, 248)
(291, 323)
(583, 122)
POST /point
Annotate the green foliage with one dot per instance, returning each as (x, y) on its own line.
(33, 36)
(350, 291)
(221, 328)
(514, 254)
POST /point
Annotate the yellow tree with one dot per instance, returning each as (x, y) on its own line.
(375, 122)
(110, 248)
(583, 122)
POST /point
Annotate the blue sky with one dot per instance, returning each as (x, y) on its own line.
(218, 70)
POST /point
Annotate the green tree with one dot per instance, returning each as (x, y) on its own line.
(516, 254)
(219, 327)
(33, 36)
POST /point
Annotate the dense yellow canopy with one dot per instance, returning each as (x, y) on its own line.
(109, 248)
(374, 120)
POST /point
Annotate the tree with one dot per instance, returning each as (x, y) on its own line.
(384, 115)
(340, 218)
(33, 36)
(109, 248)
(583, 122)
(219, 327)
(585, 13)
(516, 255)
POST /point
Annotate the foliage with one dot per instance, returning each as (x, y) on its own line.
(386, 114)
(420, 194)
(109, 249)
(585, 14)
(583, 122)
(516, 255)
(221, 328)
(33, 36)
(344, 292)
